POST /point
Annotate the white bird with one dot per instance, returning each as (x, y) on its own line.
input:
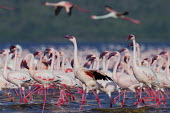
(114, 14)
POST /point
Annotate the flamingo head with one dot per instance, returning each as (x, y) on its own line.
(13, 47)
(154, 58)
(104, 54)
(37, 53)
(50, 50)
(113, 54)
(61, 53)
(126, 59)
(164, 53)
(24, 64)
(89, 56)
(45, 3)
(71, 38)
(4, 51)
(131, 37)
(123, 50)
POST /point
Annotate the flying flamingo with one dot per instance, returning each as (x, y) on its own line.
(87, 77)
(5, 7)
(114, 14)
(64, 4)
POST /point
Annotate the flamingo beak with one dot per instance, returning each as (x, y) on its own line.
(102, 54)
(68, 37)
(111, 54)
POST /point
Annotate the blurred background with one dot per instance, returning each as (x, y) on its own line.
(30, 21)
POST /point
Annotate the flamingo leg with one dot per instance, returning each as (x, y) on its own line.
(45, 95)
(97, 98)
(83, 100)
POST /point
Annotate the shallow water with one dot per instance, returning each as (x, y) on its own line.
(73, 106)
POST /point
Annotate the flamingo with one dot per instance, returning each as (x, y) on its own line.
(144, 75)
(44, 77)
(123, 80)
(16, 77)
(5, 7)
(107, 86)
(67, 5)
(114, 14)
(87, 77)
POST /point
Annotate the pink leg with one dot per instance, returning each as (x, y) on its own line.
(123, 102)
(97, 98)
(83, 100)
(44, 99)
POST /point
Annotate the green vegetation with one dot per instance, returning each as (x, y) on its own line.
(30, 21)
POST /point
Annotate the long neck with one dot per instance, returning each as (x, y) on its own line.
(62, 65)
(97, 63)
(167, 65)
(160, 66)
(5, 67)
(39, 67)
(52, 61)
(58, 61)
(104, 63)
(107, 66)
(15, 60)
(134, 53)
(76, 64)
(103, 16)
(31, 67)
(50, 4)
(115, 68)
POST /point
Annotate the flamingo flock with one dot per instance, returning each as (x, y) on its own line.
(29, 74)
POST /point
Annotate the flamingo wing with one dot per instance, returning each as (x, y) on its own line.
(132, 20)
(57, 10)
(70, 11)
(98, 75)
(110, 9)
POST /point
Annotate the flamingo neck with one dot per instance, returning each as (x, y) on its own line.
(97, 63)
(76, 64)
(31, 67)
(50, 4)
(15, 60)
(107, 66)
(52, 61)
(104, 64)
(5, 67)
(159, 67)
(134, 53)
(115, 68)
(167, 66)
(62, 65)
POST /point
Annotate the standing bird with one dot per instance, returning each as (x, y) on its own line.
(87, 77)
(115, 14)
(64, 4)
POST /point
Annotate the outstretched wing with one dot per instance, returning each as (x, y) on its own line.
(97, 75)
(132, 20)
(57, 10)
(110, 9)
